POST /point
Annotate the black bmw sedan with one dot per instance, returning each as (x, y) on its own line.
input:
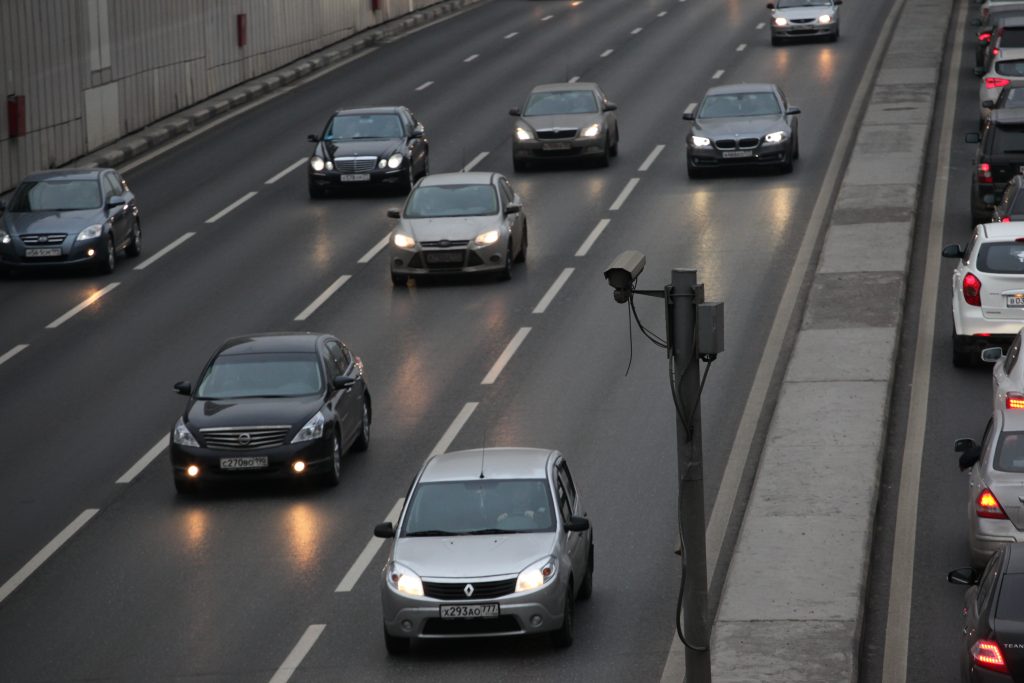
(372, 146)
(283, 405)
(68, 218)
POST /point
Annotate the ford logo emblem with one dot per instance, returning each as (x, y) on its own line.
(445, 243)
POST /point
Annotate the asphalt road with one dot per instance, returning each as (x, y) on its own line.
(225, 587)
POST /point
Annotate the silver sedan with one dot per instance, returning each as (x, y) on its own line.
(491, 542)
(804, 19)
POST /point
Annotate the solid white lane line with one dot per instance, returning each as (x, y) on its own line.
(506, 356)
(901, 586)
(424, 86)
(718, 74)
(151, 455)
(574, 79)
(374, 250)
(470, 58)
(690, 107)
(606, 53)
(662, 13)
(476, 160)
(82, 306)
(624, 195)
(454, 428)
(43, 555)
(552, 292)
(319, 301)
(273, 179)
(12, 353)
(230, 207)
(548, 17)
(163, 252)
(759, 26)
(512, 35)
(348, 582)
(636, 31)
(298, 653)
(651, 158)
(592, 237)
(741, 47)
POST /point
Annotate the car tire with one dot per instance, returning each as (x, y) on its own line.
(408, 181)
(563, 637)
(333, 476)
(587, 585)
(692, 171)
(521, 256)
(776, 41)
(134, 247)
(796, 148)
(316, 192)
(505, 274)
(109, 261)
(835, 36)
(362, 441)
(399, 280)
(185, 487)
(962, 356)
(604, 159)
(519, 165)
(787, 165)
(614, 151)
(396, 645)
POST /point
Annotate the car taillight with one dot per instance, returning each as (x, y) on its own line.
(988, 655)
(1014, 401)
(985, 37)
(972, 290)
(984, 172)
(995, 51)
(1004, 219)
(993, 82)
(988, 506)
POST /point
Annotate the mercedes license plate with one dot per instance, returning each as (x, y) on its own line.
(555, 146)
(244, 463)
(42, 251)
(1015, 300)
(482, 611)
(737, 154)
(354, 177)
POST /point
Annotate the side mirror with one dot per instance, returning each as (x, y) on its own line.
(418, 131)
(992, 354)
(770, 5)
(116, 201)
(577, 524)
(689, 116)
(385, 530)
(979, 71)
(610, 106)
(969, 452)
(183, 388)
(313, 138)
(961, 445)
(972, 138)
(965, 576)
(837, 2)
(515, 111)
(343, 381)
(394, 213)
(952, 251)
(792, 111)
(988, 104)
(512, 208)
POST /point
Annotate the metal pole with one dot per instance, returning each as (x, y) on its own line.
(682, 314)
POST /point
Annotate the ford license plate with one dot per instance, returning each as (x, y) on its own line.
(42, 251)
(444, 257)
(244, 463)
(555, 146)
(481, 611)
(1015, 300)
(737, 154)
(354, 177)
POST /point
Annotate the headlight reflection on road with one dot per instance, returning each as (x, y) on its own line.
(825, 66)
(196, 527)
(303, 536)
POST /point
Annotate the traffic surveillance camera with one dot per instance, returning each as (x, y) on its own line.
(623, 272)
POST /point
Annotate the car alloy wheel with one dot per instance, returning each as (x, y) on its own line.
(334, 474)
(135, 245)
(563, 637)
(506, 272)
(521, 256)
(109, 261)
(363, 440)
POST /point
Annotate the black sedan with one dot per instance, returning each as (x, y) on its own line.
(742, 125)
(372, 146)
(68, 218)
(284, 405)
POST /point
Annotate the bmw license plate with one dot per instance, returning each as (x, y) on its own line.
(737, 154)
(354, 177)
(482, 611)
(555, 146)
(42, 251)
(244, 463)
(1015, 300)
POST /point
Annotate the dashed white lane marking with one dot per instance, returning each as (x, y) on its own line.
(151, 455)
(662, 13)
(374, 250)
(574, 79)
(298, 653)
(512, 35)
(43, 555)
(470, 58)
(552, 292)
(741, 47)
(759, 26)
(506, 355)
(163, 252)
(351, 578)
(606, 53)
(454, 428)
(635, 31)
(424, 86)
(651, 158)
(549, 17)
(690, 107)
(273, 179)
(592, 237)
(12, 353)
(318, 302)
(230, 207)
(718, 74)
(476, 160)
(82, 306)
(624, 195)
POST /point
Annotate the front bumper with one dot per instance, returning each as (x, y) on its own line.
(468, 258)
(317, 455)
(804, 30)
(574, 148)
(72, 254)
(762, 155)
(332, 180)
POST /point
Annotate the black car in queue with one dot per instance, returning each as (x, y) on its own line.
(368, 146)
(999, 157)
(1010, 206)
(275, 405)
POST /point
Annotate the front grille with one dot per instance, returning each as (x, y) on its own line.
(51, 238)
(557, 133)
(460, 627)
(801, 21)
(725, 144)
(742, 143)
(749, 143)
(445, 243)
(355, 164)
(482, 590)
(245, 438)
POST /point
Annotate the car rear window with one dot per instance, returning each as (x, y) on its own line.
(1001, 257)
(1011, 598)
(1012, 37)
(1007, 139)
(1014, 68)
(1009, 455)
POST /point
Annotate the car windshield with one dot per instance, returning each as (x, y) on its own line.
(561, 102)
(479, 506)
(364, 126)
(739, 104)
(434, 201)
(783, 4)
(1001, 257)
(56, 195)
(261, 375)
(1012, 68)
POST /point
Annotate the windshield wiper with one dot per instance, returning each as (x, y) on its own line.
(484, 532)
(434, 532)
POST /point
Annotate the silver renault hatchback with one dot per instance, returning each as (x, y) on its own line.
(490, 542)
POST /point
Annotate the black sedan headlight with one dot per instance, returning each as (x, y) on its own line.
(5, 237)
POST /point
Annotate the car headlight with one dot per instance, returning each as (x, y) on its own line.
(537, 574)
(404, 580)
(777, 136)
(825, 19)
(485, 238)
(700, 141)
(523, 133)
(317, 164)
(780, 21)
(182, 436)
(4, 237)
(592, 130)
(403, 241)
(395, 160)
(90, 233)
(313, 429)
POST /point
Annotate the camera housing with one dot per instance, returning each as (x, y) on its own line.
(623, 272)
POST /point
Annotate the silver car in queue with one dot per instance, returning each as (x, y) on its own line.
(804, 19)
(490, 542)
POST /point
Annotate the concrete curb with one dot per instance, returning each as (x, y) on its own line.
(187, 120)
(794, 596)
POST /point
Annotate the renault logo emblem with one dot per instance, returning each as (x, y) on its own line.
(244, 439)
(468, 590)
